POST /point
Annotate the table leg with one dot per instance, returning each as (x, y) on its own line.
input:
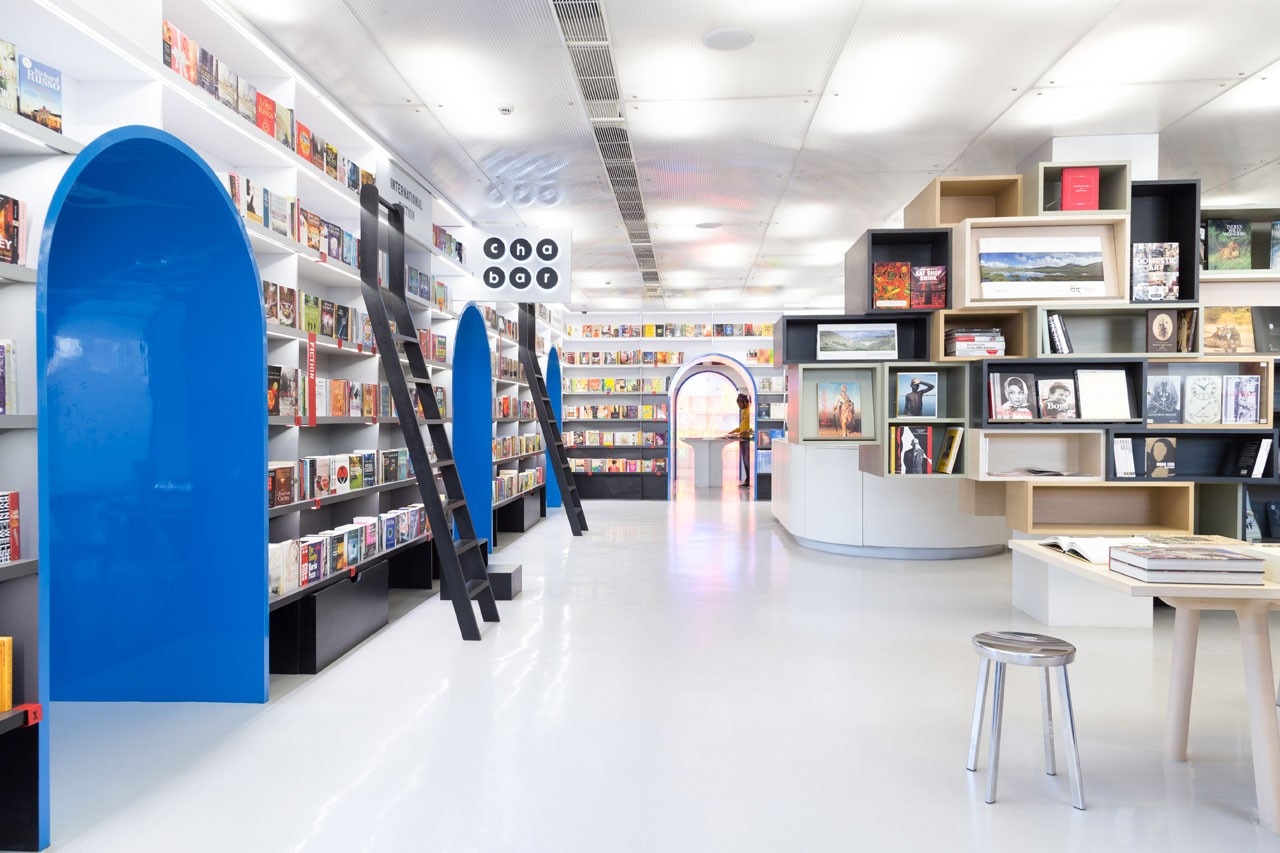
(1186, 629)
(1264, 734)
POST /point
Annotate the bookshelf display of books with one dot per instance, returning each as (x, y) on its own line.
(1092, 331)
(981, 333)
(898, 270)
(925, 420)
(1199, 455)
(1066, 189)
(1166, 213)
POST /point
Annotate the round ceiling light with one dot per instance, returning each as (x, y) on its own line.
(727, 38)
(707, 225)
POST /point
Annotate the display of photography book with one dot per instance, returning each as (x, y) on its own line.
(1162, 454)
(891, 284)
(40, 93)
(1155, 272)
(1241, 400)
(928, 287)
(1057, 399)
(1091, 549)
(1164, 399)
(917, 395)
(1202, 400)
(1013, 396)
(1228, 329)
(911, 450)
(1230, 244)
(1104, 395)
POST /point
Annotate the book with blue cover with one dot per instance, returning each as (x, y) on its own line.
(40, 93)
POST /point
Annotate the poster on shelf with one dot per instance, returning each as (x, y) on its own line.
(519, 265)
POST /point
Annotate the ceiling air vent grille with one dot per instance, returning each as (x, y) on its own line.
(587, 39)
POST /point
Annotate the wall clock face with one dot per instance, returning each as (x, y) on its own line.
(1203, 400)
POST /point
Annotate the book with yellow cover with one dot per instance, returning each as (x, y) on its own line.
(6, 674)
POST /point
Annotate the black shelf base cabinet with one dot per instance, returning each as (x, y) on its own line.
(625, 487)
(522, 513)
(314, 631)
(19, 789)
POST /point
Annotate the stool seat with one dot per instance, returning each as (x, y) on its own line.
(1019, 647)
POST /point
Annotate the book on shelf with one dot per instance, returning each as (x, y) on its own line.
(1202, 399)
(273, 389)
(1266, 328)
(8, 378)
(891, 284)
(228, 86)
(247, 100)
(288, 392)
(207, 72)
(13, 230)
(1161, 456)
(1241, 399)
(1122, 452)
(928, 287)
(1057, 399)
(1080, 185)
(10, 527)
(911, 449)
(1154, 274)
(1164, 399)
(1012, 396)
(1251, 457)
(1162, 330)
(1187, 318)
(8, 77)
(917, 395)
(284, 125)
(265, 113)
(1186, 564)
(950, 450)
(6, 674)
(1091, 549)
(1059, 340)
(1228, 329)
(1103, 395)
(40, 93)
(1230, 244)
(1275, 245)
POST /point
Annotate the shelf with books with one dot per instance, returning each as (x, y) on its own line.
(333, 346)
(1153, 329)
(1051, 394)
(925, 414)
(1217, 392)
(837, 403)
(22, 137)
(341, 497)
(994, 332)
(1240, 242)
(1077, 189)
(948, 200)
(894, 335)
(499, 504)
(1037, 455)
(319, 268)
(8, 422)
(898, 269)
(1018, 251)
(1167, 213)
(19, 569)
(1100, 509)
(275, 602)
(1201, 456)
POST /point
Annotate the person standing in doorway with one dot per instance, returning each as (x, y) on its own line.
(744, 435)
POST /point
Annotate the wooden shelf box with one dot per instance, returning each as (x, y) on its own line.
(1042, 189)
(1259, 219)
(1217, 366)
(1054, 369)
(948, 200)
(992, 453)
(947, 409)
(1100, 509)
(1110, 329)
(1014, 322)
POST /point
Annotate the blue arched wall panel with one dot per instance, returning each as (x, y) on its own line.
(554, 391)
(715, 362)
(152, 441)
(473, 419)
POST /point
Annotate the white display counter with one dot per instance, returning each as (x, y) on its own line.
(828, 503)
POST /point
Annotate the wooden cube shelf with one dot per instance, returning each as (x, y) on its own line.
(1100, 509)
(1219, 366)
(1014, 322)
(1102, 329)
(948, 200)
(1042, 189)
(1259, 219)
(993, 453)
(949, 410)
(1201, 455)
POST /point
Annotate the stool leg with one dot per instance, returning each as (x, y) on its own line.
(979, 706)
(1069, 727)
(1046, 707)
(997, 717)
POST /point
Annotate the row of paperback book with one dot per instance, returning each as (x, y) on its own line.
(13, 230)
(506, 368)
(1227, 244)
(502, 325)
(772, 411)
(912, 449)
(285, 215)
(8, 378)
(645, 358)
(1246, 457)
(613, 438)
(10, 528)
(772, 384)
(507, 407)
(647, 412)
(610, 385)
(671, 330)
(285, 306)
(296, 563)
(184, 56)
(602, 465)
(506, 446)
(1205, 399)
(314, 477)
(448, 244)
(30, 88)
(435, 347)
(969, 343)
(510, 482)
(288, 396)
(897, 285)
(762, 357)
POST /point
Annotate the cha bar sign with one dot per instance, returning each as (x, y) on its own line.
(522, 265)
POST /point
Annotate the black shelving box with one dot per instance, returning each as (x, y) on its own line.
(1169, 212)
(795, 336)
(919, 247)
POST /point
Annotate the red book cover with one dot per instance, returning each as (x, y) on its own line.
(266, 114)
(891, 281)
(304, 141)
(1080, 187)
(929, 287)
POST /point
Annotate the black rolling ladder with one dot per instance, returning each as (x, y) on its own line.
(462, 564)
(526, 332)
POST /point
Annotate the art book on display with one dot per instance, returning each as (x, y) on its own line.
(929, 287)
(1057, 399)
(891, 283)
(838, 415)
(917, 395)
(1241, 398)
(950, 450)
(1186, 557)
(1228, 329)
(1162, 330)
(1012, 396)
(1155, 272)
(40, 93)
(1230, 244)
(1164, 399)
(1091, 549)
(1104, 395)
(1202, 400)
(1161, 457)
(911, 448)
(12, 230)
(8, 78)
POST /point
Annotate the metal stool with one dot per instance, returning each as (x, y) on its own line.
(1005, 647)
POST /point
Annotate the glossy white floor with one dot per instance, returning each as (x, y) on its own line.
(682, 678)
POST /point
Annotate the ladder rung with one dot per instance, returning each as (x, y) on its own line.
(452, 505)
(462, 546)
(474, 588)
(443, 463)
(433, 421)
(406, 339)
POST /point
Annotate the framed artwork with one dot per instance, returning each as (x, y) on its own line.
(843, 406)
(1042, 267)
(917, 395)
(863, 341)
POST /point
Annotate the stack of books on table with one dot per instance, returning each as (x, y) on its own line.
(978, 343)
(1186, 564)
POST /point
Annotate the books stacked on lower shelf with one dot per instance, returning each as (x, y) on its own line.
(974, 343)
(315, 477)
(297, 563)
(600, 465)
(10, 528)
(1186, 564)
(510, 482)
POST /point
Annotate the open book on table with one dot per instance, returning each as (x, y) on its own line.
(1091, 549)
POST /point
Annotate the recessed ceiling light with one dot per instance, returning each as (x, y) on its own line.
(707, 225)
(727, 38)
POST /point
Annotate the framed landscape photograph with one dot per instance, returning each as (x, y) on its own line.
(1042, 267)
(865, 341)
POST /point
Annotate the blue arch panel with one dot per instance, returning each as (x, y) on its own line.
(152, 440)
(554, 391)
(473, 419)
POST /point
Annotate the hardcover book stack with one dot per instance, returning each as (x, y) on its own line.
(974, 343)
(1186, 564)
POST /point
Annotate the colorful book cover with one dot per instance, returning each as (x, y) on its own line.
(271, 301)
(338, 398)
(166, 45)
(40, 93)
(342, 322)
(9, 77)
(353, 176)
(310, 313)
(1080, 187)
(355, 399)
(186, 56)
(273, 389)
(1230, 244)
(284, 126)
(369, 400)
(317, 151)
(228, 86)
(326, 317)
(207, 76)
(289, 392)
(838, 415)
(6, 674)
(350, 249)
(1154, 274)
(917, 395)
(265, 115)
(247, 100)
(1241, 399)
(1228, 329)
(252, 196)
(367, 177)
(891, 284)
(333, 240)
(12, 230)
(303, 141)
(330, 161)
(929, 287)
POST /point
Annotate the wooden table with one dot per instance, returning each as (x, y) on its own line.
(1251, 605)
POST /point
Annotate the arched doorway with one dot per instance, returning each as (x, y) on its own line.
(702, 406)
